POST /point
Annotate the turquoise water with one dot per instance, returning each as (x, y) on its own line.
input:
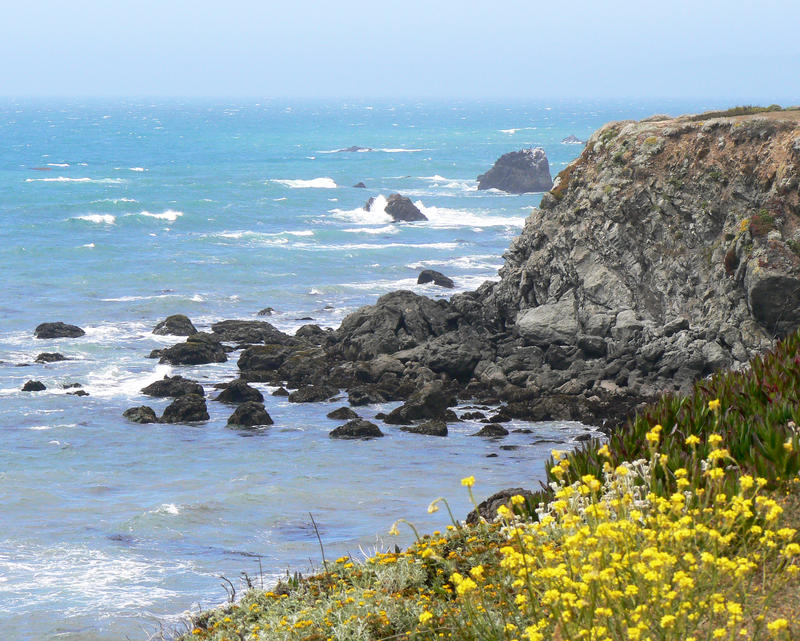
(116, 215)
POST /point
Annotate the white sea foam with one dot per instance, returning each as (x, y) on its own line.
(314, 183)
(104, 219)
(478, 261)
(277, 200)
(137, 169)
(58, 164)
(88, 245)
(167, 508)
(64, 179)
(169, 215)
(363, 150)
(444, 217)
(116, 380)
(388, 229)
(513, 131)
(376, 215)
(116, 201)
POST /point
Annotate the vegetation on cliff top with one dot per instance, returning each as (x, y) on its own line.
(681, 526)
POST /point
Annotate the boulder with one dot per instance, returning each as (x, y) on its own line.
(357, 428)
(80, 392)
(173, 387)
(365, 395)
(429, 428)
(58, 330)
(572, 139)
(550, 323)
(250, 414)
(401, 209)
(492, 430)
(519, 172)
(244, 331)
(238, 391)
(50, 357)
(33, 386)
(190, 408)
(175, 325)
(141, 414)
(263, 357)
(488, 509)
(430, 401)
(437, 278)
(312, 333)
(281, 391)
(198, 349)
(342, 414)
(312, 394)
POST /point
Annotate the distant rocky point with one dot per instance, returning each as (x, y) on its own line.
(572, 139)
(519, 172)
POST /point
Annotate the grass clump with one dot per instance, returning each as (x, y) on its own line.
(682, 527)
(741, 110)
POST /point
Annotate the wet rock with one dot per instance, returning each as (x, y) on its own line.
(519, 172)
(33, 386)
(357, 429)
(488, 509)
(281, 391)
(342, 414)
(250, 414)
(190, 408)
(312, 333)
(175, 325)
(71, 386)
(50, 357)
(313, 394)
(492, 430)
(263, 357)
(238, 391)
(199, 349)
(429, 428)
(400, 208)
(430, 401)
(80, 392)
(359, 185)
(173, 387)
(244, 331)
(267, 311)
(141, 414)
(472, 416)
(365, 395)
(437, 278)
(58, 330)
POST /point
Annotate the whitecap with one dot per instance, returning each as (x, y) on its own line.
(444, 217)
(88, 245)
(515, 130)
(105, 219)
(388, 229)
(376, 215)
(277, 200)
(169, 215)
(64, 179)
(58, 164)
(314, 183)
(166, 508)
(136, 169)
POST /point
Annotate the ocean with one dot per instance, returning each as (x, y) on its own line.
(117, 214)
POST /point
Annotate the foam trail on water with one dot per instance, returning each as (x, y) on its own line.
(64, 179)
(104, 219)
(314, 183)
(169, 215)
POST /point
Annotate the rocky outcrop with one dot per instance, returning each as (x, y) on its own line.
(50, 357)
(250, 414)
(487, 509)
(33, 386)
(428, 428)
(173, 386)
(519, 172)
(492, 430)
(342, 414)
(430, 401)
(199, 349)
(312, 394)
(142, 414)
(238, 391)
(175, 325)
(190, 408)
(252, 332)
(437, 278)
(357, 428)
(58, 330)
(400, 208)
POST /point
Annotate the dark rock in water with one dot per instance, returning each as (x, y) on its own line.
(238, 391)
(304, 318)
(437, 278)
(572, 139)
(58, 330)
(50, 357)
(80, 392)
(492, 455)
(71, 386)
(369, 203)
(249, 414)
(492, 430)
(281, 391)
(401, 209)
(190, 408)
(354, 148)
(156, 353)
(357, 428)
(263, 358)
(267, 311)
(451, 417)
(430, 401)
(429, 428)
(522, 430)
(312, 333)
(472, 416)
(488, 509)
(198, 349)
(359, 185)
(243, 331)
(519, 172)
(141, 414)
(175, 325)
(342, 414)
(365, 395)
(312, 394)
(173, 386)
(33, 386)
(583, 437)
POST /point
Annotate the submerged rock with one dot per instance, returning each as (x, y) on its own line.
(429, 428)
(141, 414)
(250, 414)
(437, 278)
(173, 386)
(175, 325)
(58, 330)
(357, 428)
(359, 185)
(190, 408)
(518, 172)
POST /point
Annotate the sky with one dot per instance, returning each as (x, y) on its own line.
(746, 51)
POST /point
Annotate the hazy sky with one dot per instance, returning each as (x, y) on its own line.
(377, 48)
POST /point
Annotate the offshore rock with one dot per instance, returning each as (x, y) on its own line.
(175, 325)
(313, 394)
(50, 357)
(58, 330)
(238, 391)
(250, 414)
(242, 331)
(141, 414)
(519, 172)
(199, 349)
(357, 428)
(173, 386)
(400, 208)
(428, 428)
(342, 414)
(437, 278)
(33, 386)
(190, 408)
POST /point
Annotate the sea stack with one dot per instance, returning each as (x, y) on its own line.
(519, 172)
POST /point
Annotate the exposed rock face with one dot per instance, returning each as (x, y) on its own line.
(189, 408)
(141, 414)
(57, 330)
(250, 414)
(357, 428)
(400, 208)
(518, 172)
(430, 401)
(175, 325)
(199, 349)
(239, 391)
(437, 278)
(173, 386)
(312, 394)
